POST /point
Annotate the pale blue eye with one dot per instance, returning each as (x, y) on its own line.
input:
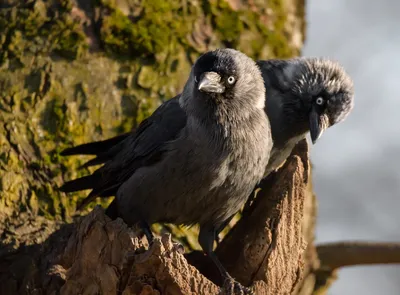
(231, 80)
(320, 101)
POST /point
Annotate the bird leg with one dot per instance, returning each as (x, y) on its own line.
(206, 240)
(147, 231)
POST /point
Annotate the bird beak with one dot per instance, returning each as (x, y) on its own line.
(316, 129)
(211, 82)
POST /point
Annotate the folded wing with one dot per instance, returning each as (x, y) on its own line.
(123, 154)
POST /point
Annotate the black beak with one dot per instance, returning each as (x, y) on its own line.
(315, 125)
(211, 82)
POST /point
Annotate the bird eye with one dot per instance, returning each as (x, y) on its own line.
(319, 101)
(231, 80)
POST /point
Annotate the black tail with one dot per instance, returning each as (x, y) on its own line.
(96, 161)
(104, 151)
(79, 184)
(94, 148)
(103, 157)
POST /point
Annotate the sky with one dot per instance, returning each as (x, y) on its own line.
(357, 162)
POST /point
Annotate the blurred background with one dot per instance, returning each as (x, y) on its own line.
(356, 175)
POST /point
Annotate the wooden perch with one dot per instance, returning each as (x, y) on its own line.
(105, 257)
(267, 243)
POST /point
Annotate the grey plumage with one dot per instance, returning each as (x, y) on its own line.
(293, 86)
(292, 90)
(205, 173)
(199, 167)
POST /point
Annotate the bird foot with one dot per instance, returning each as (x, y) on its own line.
(179, 248)
(232, 287)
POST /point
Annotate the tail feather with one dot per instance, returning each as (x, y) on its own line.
(98, 192)
(106, 155)
(94, 148)
(111, 191)
(95, 161)
(86, 201)
(79, 184)
(104, 151)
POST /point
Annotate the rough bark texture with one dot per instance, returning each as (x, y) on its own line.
(265, 250)
(73, 71)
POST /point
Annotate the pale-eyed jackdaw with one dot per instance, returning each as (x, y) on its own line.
(304, 95)
(200, 168)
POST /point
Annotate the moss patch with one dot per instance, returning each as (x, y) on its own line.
(40, 28)
(158, 24)
(228, 22)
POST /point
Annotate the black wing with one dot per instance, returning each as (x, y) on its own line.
(96, 147)
(123, 155)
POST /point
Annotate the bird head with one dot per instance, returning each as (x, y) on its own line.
(224, 79)
(312, 93)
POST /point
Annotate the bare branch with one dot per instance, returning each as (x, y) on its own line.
(340, 254)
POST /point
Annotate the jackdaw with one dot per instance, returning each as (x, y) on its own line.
(304, 95)
(199, 168)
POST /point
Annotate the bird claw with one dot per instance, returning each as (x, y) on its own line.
(179, 248)
(233, 287)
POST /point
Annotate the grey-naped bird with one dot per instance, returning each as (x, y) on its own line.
(303, 96)
(200, 168)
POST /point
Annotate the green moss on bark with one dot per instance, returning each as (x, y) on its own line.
(40, 27)
(158, 24)
(228, 22)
